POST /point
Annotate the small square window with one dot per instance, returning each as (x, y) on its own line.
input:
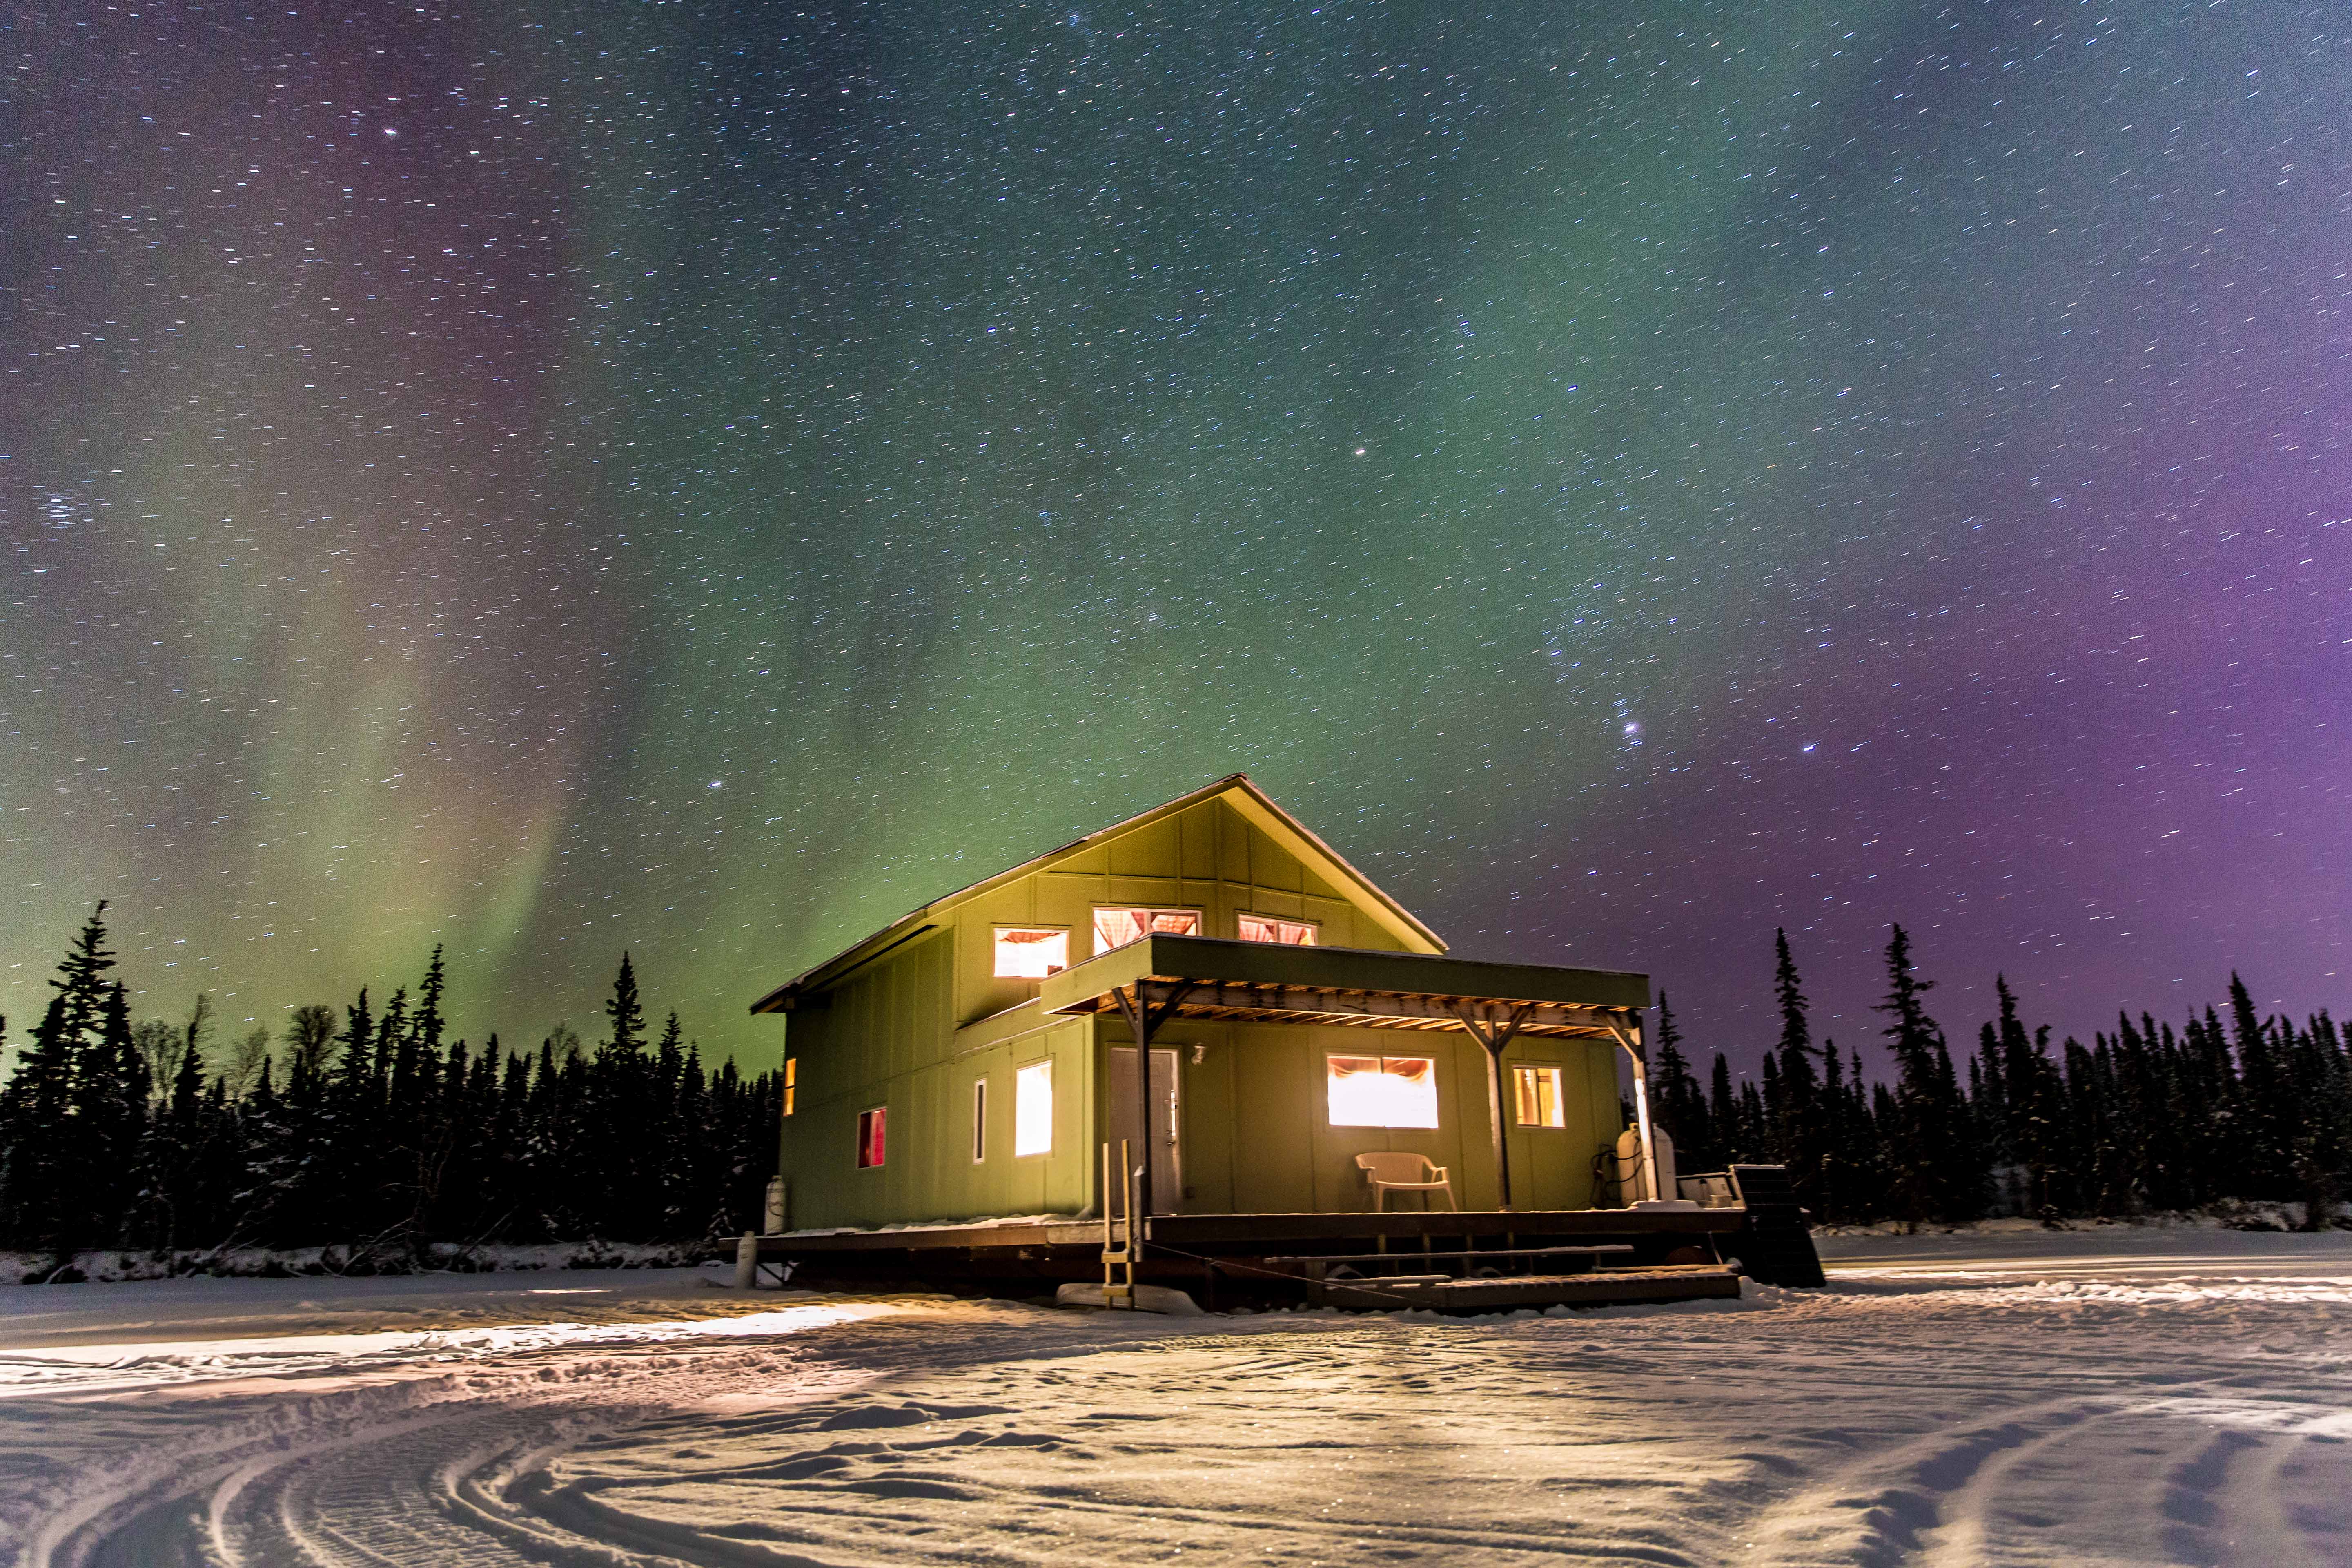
(1285, 933)
(1033, 1110)
(1031, 953)
(870, 1136)
(1539, 1096)
(1117, 925)
(1384, 1091)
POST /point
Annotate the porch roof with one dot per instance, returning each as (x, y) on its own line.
(1355, 987)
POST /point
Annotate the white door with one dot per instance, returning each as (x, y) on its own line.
(1166, 1169)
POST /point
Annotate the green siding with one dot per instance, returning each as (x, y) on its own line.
(916, 1027)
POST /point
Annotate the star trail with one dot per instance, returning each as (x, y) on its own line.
(705, 480)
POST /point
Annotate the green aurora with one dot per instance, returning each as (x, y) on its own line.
(705, 481)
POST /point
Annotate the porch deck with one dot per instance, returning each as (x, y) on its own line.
(1472, 1261)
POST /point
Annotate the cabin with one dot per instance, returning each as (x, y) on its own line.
(1198, 1046)
(970, 1061)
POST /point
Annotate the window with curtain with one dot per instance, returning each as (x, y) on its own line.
(1116, 925)
(1539, 1096)
(1288, 933)
(1033, 1110)
(870, 1136)
(1383, 1091)
(1031, 953)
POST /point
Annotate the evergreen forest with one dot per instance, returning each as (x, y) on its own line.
(2241, 1110)
(367, 1131)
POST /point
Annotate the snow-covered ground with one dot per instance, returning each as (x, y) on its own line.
(2112, 1396)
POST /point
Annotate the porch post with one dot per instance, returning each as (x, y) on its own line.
(1495, 1117)
(1143, 1020)
(1146, 1027)
(1495, 1039)
(1629, 1035)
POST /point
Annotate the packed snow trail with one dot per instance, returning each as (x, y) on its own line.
(2196, 1414)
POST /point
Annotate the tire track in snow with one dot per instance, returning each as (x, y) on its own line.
(420, 1465)
(2013, 1487)
(299, 1474)
(1865, 1427)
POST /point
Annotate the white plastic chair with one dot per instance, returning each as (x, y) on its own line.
(1398, 1172)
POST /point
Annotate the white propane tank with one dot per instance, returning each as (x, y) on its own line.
(1631, 1188)
(772, 1216)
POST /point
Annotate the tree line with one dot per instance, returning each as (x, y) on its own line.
(2148, 1117)
(371, 1131)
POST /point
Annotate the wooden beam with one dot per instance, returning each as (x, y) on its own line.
(1378, 1009)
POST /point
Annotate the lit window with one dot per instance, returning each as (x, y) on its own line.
(1288, 933)
(1033, 1110)
(1384, 1091)
(1539, 1096)
(1117, 927)
(870, 1136)
(792, 1081)
(1026, 954)
(979, 1120)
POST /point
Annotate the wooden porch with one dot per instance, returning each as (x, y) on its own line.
(1460, 1262)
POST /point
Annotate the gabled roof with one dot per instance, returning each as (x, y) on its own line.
(1235, 790)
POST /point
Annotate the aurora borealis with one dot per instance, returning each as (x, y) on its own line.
(706, 480)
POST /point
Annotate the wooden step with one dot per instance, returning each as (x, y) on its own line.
(1602, 1287)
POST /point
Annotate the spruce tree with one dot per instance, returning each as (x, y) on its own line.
(1914, 1152)
(1678, 1103)
(1723, 1116)
(1802, 1140)
(37, 1167)
(1836, 1189)
(111, 1115)
(56, 1172)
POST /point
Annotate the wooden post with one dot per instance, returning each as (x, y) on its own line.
(1117, 1254)
(1495, 1116)
(1143, 1020)
(1143, 1107)
(1496, 1037)
(1629, 1035)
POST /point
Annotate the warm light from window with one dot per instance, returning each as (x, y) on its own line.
(870, 1136)
(1117, 927)
(1033, 1110)
(1539, 1096)
(1384, 1091)
(1023, 954)
(1288, 933)
(792, 1081)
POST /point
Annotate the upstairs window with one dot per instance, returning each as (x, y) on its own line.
(1384, 1091)
(1033, 1110)
(1285, 933)
(1539, 1096)
(1031, 953)
(870, 1136)
(792, 1081)
(1117, 925)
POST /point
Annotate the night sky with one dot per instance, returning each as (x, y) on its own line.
(707, 480)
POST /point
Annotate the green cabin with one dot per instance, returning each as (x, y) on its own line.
(972, 1059)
